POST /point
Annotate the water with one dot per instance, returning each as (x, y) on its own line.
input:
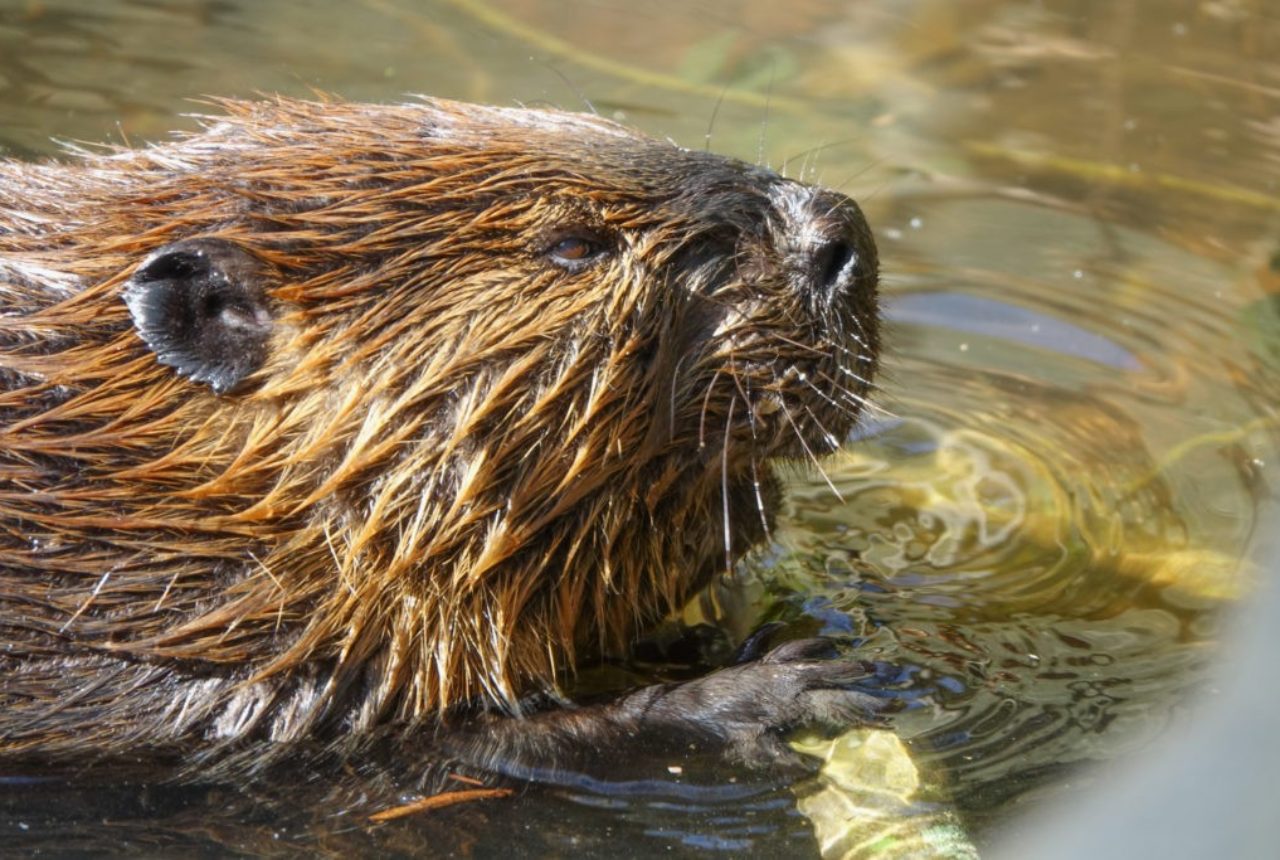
(1078, 208)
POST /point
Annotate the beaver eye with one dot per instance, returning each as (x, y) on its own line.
(573, 249)
(576, 252)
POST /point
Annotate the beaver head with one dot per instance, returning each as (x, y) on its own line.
(334, 414)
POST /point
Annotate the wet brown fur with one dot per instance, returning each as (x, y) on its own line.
(460, 467)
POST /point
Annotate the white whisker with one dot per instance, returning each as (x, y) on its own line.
(755, 483)
(724, 487)
(809, 451)
(702, 416)
(826, 434)
(675, 381)
(859, 401)
(843, 407)
(863, 380)
(755, 446)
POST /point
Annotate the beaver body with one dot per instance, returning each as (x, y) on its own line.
(332, 417)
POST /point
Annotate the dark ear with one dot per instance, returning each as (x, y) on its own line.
(201, 305)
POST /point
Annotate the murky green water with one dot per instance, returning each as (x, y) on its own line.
(1078, 208)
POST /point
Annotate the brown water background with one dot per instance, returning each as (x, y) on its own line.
(1078, 210)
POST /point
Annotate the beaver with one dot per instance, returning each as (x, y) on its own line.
(330, 417)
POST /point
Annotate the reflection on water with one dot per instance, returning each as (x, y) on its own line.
(1078, 207)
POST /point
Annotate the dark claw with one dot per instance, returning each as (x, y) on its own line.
(755, 645)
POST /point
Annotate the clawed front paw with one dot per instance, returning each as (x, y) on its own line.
(752, 705)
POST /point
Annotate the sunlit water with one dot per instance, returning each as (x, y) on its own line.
(1078, 209)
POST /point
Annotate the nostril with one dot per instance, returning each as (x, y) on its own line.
(833, 264)
(825, 247)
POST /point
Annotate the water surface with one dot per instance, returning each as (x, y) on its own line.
(1078, 209)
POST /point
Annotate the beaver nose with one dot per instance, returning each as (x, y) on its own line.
(833, 263)
(828, 246)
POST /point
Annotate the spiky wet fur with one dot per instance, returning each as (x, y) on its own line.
(461, 465)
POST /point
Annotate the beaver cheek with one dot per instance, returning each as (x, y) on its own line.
(201, 307)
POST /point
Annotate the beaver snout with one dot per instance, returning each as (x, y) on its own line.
(827, 248)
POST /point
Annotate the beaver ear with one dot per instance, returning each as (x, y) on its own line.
(201, 306)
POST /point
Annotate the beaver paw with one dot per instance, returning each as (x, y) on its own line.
(749, 707)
